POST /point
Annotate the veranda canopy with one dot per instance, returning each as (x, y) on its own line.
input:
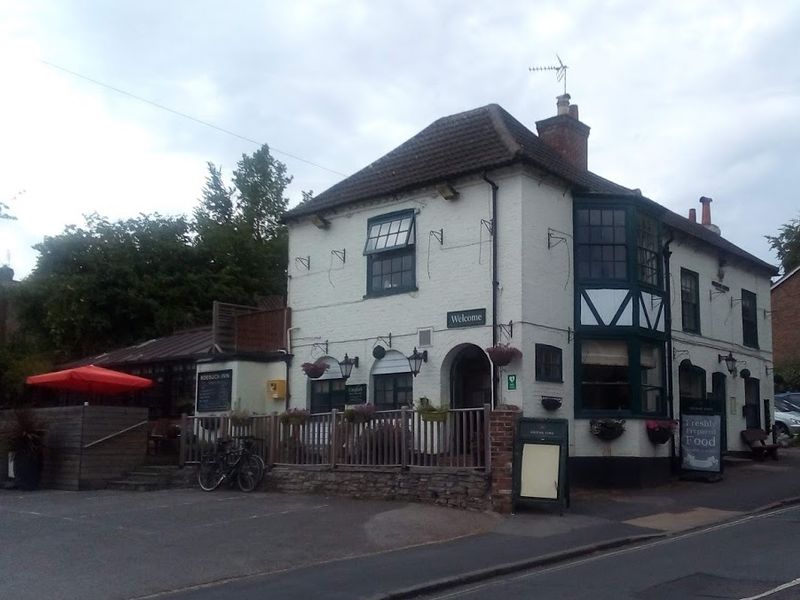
(91, 379)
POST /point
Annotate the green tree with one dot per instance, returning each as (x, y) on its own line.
(787, 245)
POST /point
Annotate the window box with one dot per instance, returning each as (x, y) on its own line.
(431, 414)
(607, 429)
(361, 413)
(294, 416)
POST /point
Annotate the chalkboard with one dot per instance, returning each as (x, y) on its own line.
(214, 391)
(356, 394)
(701, 443)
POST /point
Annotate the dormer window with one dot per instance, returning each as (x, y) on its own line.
(389, 249)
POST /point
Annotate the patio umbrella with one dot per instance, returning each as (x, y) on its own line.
(92, 379)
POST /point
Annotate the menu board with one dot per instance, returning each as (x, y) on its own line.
(356, 394)
(701, 443)
(214, 391)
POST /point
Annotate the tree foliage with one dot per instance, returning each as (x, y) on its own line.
(108, 284)
(787, 245)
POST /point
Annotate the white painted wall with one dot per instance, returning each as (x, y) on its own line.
(249, 385)
(721, 327)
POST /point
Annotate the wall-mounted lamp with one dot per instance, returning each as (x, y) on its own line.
(347, 364)
(730, 362)
(416, 359)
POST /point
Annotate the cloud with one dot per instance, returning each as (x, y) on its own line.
(684, 99)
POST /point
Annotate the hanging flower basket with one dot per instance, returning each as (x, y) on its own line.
(551, 402)
(659, 431)
(314, 370)
(294, 416)
(503, 354)
(607, 429)
(360, 413)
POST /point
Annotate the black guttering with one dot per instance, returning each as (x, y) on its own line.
(495, 283)
(667, 253)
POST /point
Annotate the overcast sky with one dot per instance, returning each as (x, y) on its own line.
(684, 99)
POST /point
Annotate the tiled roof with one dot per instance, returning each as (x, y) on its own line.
(471, 142)
(189, 344)
(468, 142)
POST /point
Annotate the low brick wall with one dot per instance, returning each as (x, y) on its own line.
(502, 431)
(458, 489)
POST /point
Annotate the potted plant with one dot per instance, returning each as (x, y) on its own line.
(660, 430)
(314, 370)
(607, 429)
(359, 413)
(239, 418)
(430, 413)
(26, 441)
(503, 354)
(295, 416)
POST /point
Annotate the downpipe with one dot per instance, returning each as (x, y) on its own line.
(495, 284)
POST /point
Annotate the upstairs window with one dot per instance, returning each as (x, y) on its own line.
(548, 363)
(749, 321)
(390, 254)
(690, 301)
(601, 244)
(647, 250)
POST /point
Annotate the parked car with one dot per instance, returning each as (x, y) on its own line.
(787, 414)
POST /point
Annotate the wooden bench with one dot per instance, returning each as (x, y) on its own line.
(755, 439)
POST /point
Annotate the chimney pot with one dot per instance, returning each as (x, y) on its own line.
(706, 202)
(693, 215)
(565, 134)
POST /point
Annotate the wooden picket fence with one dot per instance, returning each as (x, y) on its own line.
(395, 438)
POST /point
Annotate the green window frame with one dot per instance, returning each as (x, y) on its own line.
(690, 301)
(390, 252)
(549, 365)
(647, 250)
(392, 391)
(749, 319)
(601, 244)
(327, 394)
(620, 376)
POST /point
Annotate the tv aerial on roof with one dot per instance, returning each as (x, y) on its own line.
(560, 70)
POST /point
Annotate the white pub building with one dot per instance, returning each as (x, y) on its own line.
(477, 233)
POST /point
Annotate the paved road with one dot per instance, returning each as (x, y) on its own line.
(753, 557)
(112, 545)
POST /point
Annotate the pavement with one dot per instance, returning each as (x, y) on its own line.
(189, 544)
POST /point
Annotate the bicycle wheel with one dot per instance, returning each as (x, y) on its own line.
(249, 473)
(210, 474)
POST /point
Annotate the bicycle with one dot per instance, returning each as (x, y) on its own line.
(240, 464)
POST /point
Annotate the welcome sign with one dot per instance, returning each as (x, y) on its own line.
(466, 318)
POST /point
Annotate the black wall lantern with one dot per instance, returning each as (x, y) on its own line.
(416, 359)
(347, 364)
(730, 362)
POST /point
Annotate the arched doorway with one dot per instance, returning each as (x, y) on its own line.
(470, 377)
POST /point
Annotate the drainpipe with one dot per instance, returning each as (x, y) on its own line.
(495, 283)
(667, 253)
(288, 363)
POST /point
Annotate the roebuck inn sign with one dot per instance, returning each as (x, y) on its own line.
(466, 318)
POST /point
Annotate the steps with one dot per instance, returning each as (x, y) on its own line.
(146, 478)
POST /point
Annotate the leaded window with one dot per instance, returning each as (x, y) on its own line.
(690, 301)
(647, 250)
(327, 394)
(601, 238)
(393, 391)
(548, 363)
(749, 320)
(390, 254)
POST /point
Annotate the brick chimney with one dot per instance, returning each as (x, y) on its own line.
(693, 215)
(706, 219)
(565, 134)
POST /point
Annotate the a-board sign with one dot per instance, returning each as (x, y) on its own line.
(214, 390)
(541, 449)
(356, 394)
(701, 443)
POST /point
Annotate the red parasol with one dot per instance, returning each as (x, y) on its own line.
(96, 380)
